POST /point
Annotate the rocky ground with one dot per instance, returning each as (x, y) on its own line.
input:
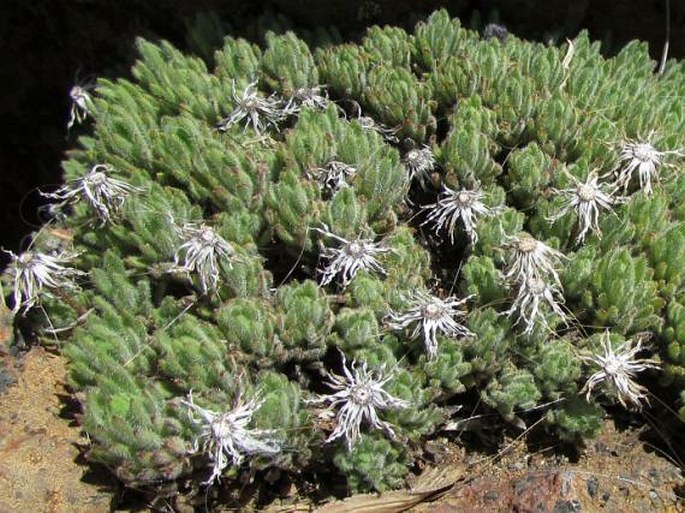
(41, 468)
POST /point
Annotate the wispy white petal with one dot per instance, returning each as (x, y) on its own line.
(529, 304)
(419, 163)
(32, 273)
(358, 395)
(617, 368)
(201, 252)
(431, 315)
(104, 194)
(464, 206)
(226, 435)
(530, 259)
(334, 175)
(587, 200)
(351, 257)
(81, 103)
(369, 124)
(313, 97)
(644, 158)
(254, 110)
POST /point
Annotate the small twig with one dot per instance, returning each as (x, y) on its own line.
(55, 331)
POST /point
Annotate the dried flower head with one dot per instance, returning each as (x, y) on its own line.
(532, 259)
(106, 195)
(334, 175)
(313, 97)
(33, 272)
(202, 252)
(452, 206)
(587, 199)
(431, 315)
(617, 369)
(644, 158)
(254, 109)
(360, 394)
(226, 435)
(419, 163)
(370, 125)
(81, 103)
(532, 295)
(495, 31)
(350, 257)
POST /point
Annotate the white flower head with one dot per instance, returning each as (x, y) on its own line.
(350, 258)
(452, 206)
(104, 194)
(359, 394)
(495, 31)
(586, 199)
(33, 272)
(370, 125)
(644, 158)
(532, 259)
(431, 315)
(617, 369)
(81, 103)
(313, 97)
(419, 163)
(201, 252)
(334, 175)
(226, 435)
(532, 295)
(256, 110)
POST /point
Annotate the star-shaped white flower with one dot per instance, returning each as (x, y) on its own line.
(532, 259)
(370, 125)
(419, 163)
(201, 253)
(226, 435)
(81, 103)
(359, 394)
(351, 257)
(532, 295)
(644, 158)
(33, 272)
(431, 315)
(334, 175)
(313, 97)
(453, 206)
(104, 194)
(617, 369)
(256, 110)
(586, 199)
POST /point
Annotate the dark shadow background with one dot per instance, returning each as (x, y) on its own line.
(44, 44)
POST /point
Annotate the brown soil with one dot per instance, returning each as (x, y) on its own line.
(617, 473)
(41, 468)
(40, 464)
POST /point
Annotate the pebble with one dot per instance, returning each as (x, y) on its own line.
(567, 507)
(592, 487)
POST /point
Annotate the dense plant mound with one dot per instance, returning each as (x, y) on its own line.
(310, 257)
